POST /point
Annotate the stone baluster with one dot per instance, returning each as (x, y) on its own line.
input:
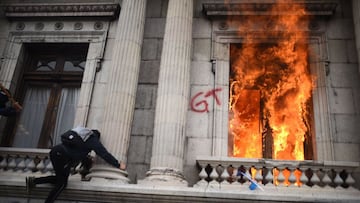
(3, 163)
(40, 166)
(269, 177)
(247, 173)
(292, 177)
(303, 178)
(122, 86)
(258, 175)
(287, 174)
(31, 165)
(203, 175)
(214, 177)
(12, 163)
(326, 181)
(338, 180)
(225, 176)
(27, 160)
(166, 165)
(350, 181)
(315, 180)
(234, 176)
(21, 166)
(49, 168)
(280, 177)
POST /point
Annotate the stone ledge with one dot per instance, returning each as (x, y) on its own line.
(111, 191)
(106, 10)
(314, 8)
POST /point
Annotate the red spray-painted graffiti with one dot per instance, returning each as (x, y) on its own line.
(202, 105)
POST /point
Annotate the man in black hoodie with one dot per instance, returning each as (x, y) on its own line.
(64, 156)
(5, 97)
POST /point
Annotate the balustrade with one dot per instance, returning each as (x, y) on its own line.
(23, 160)
(219, 172)
(226, 172)
(31, 162)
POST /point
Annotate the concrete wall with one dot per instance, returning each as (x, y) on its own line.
(344, 84)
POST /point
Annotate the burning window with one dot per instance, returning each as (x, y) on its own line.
(270, 113)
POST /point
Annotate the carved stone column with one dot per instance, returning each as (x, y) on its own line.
(172, 97)
(356, 14)
(122, 86)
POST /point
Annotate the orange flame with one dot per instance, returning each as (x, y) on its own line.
(271, 86)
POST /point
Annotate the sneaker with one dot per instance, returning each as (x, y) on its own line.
(30, 183)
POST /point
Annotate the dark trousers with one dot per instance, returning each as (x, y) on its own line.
(61, 164)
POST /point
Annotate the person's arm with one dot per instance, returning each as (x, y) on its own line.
(104, 154)
(14, 103)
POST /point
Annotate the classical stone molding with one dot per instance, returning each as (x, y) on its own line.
(162, 176)
(315, 8)
(106, 10)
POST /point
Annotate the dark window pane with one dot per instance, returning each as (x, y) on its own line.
(43, 65)
(74, 66)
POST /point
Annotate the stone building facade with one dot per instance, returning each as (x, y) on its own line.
(154, 77)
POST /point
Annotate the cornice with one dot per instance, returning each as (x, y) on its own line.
(313, 8)
(106, 10)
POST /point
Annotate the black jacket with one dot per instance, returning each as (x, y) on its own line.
(5, 110)
(76, 154)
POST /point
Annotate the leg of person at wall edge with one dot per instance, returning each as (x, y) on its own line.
(62, 171)
(60, 185)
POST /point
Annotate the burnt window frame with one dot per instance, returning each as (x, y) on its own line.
(267, 139)
(323, 144)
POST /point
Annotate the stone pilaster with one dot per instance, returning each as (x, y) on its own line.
(221, 111)
(172, 96)
(356, 14)
(122, 86)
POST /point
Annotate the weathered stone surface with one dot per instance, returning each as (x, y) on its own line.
(342, 101)
(344, 75)
(155, 28)
(347, 128)
(347, 151)
(201, 49)
(143, 122)
(150, 49)
(201, 73)
(149, 72)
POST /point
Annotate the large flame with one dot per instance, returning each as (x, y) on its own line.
(271, 86)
